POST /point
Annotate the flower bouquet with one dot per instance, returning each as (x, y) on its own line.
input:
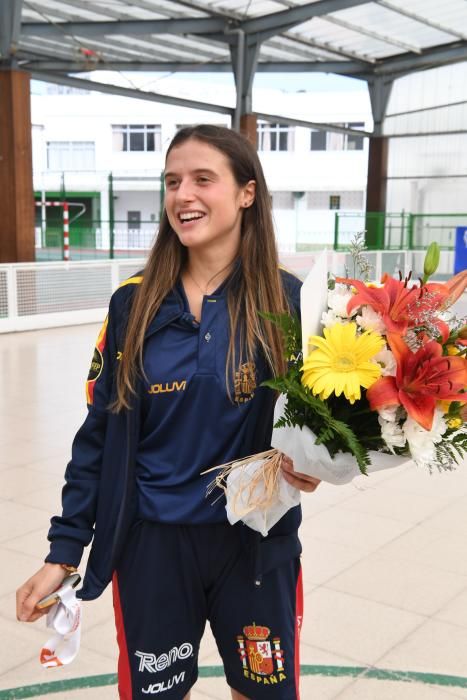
(377, 377)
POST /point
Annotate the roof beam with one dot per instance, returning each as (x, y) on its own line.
(320, 126)
(278, 22)
(138, 27)
(296, 38)
(427, 109)
(105, 11)
(338, 67)
(350, 68)
(50, 14)
(286, 48)
(430, 58)
(328, 48)
(373, 35)
(418, 18)
(236, 18)
(98, 9)
(62, 79)
(212, 11)
(193, 25)
(192, 104)
(68, 52)
(168, 48)
(416, 134)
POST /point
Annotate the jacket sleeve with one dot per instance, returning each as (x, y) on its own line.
(73, 530)
(292, 287)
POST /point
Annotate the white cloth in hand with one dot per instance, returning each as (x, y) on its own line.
(65, 619)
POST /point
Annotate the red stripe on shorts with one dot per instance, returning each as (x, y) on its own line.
(124, 674)
(298, 627)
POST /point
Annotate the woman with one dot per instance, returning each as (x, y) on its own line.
(174, 388)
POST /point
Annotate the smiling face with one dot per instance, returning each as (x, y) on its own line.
(203, 201)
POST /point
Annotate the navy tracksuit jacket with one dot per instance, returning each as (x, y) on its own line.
(100, 498)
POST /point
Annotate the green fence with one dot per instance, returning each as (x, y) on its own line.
(424, 228)
(383, 230)
(101, 239)
(96, 240)
(397, 231)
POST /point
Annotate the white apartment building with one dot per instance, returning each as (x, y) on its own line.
(80, 138)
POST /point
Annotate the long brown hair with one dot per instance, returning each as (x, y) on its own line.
(258, 284)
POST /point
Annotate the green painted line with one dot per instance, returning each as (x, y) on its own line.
(380, 674)
(31, 691)
(209, 672)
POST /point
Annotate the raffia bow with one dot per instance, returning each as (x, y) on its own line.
(257, 491)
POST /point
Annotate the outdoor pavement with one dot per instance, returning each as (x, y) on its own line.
(385, 558)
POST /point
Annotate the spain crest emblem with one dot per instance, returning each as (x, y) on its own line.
(245, 382)
(262, 658)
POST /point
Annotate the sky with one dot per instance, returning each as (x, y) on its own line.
(286, 82)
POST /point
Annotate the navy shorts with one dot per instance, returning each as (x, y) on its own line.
(171, 579)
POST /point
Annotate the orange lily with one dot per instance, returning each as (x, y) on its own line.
(456, 286)
(402, 307)
(392, 301)
(423, 378)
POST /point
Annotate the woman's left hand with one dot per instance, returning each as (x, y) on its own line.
(297, 479)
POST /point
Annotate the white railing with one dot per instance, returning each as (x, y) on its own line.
(44, 295)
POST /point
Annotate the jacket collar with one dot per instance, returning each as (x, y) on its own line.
(171, 308)
(173, 305)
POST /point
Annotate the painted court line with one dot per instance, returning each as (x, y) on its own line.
(380, 674)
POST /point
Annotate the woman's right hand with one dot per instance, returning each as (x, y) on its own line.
(45, 581)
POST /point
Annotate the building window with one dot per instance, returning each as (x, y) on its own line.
(275, 137)
(318, 140)
(337, 141)
(355, 143)
(136, 137)
(134, 220)
(70, 155)
(352, 200)
(282, 200)
(334, 201)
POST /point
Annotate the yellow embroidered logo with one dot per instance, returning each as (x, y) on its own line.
(262, 658)
(97, 363)
(167, 387)
(245, 382)
(119, 354)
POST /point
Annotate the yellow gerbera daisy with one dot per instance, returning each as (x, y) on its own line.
(341, 363)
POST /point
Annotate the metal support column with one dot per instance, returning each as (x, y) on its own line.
(380, 91)
(244, 55)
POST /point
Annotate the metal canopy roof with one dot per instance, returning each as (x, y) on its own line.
(377, 41)
(350, 37)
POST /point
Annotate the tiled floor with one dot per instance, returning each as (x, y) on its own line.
(385, 558)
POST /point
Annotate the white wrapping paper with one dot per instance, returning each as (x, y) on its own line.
(315, 460)
(314, 300)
